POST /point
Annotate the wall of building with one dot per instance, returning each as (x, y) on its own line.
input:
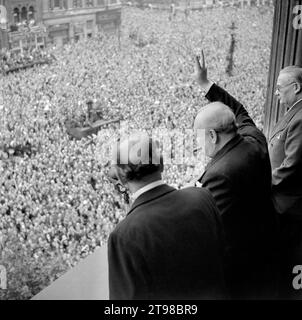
(21, 10)
(74, 19)
(64, 20)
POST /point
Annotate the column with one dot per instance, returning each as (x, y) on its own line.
(45, 6)
(71, 32)
(286, 49)
(85, 29)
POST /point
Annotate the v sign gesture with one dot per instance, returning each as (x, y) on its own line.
(201, 71)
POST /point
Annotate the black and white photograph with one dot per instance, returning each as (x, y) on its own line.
(151, 150)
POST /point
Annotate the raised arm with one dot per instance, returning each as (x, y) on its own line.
(214, 93)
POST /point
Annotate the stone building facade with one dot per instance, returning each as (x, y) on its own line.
(38, 22)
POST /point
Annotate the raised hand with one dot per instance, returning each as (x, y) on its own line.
(201, 71)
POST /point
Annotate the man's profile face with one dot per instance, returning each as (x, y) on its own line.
(285, 89)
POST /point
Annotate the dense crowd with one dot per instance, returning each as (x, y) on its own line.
(56, 204)
(13, 61)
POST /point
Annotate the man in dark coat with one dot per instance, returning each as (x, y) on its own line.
(285, 147)
(170, 244)
(239, 178)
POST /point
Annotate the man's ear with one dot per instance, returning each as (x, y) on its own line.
(213, 136)
(298, 88)
(113, 173)
(121, 175)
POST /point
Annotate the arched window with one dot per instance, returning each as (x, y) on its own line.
(31, 13)
(77, 3)
(23, 14)
(16, 15)
(57, 4)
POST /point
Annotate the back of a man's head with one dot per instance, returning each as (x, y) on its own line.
(216, 116)
(138, 158)
(216, 124)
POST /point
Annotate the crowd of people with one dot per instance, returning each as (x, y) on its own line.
(56, 204)
(14, 61)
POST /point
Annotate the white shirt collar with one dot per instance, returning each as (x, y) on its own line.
(146, 188)
(294, 104)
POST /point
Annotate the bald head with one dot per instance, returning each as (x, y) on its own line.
(216, 116)
(294, 73)
(214, 126)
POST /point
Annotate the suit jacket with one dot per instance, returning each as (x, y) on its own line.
(285, 147)
(168, 247)
(239, 178)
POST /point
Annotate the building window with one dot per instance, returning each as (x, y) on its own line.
(57, 4)
(101, 2)
(23, 14)
(31, 13)
(89, 3)
(78, 28)
(77, 3)
(90, 24)
(16, 15)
